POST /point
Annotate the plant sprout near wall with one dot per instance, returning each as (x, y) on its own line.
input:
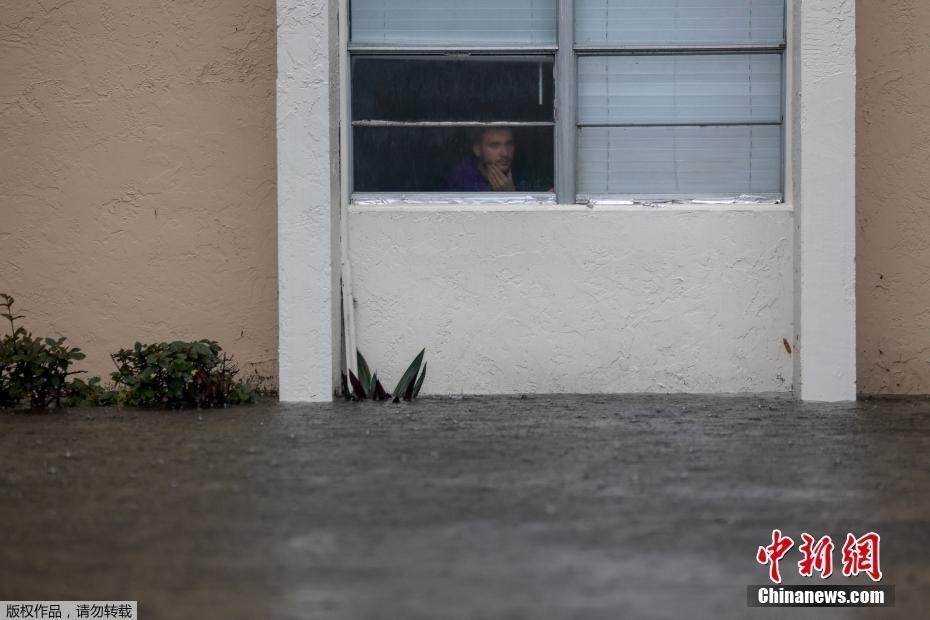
(367, 386)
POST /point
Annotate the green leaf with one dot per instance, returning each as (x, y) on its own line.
(416, 389)
(364, 374)
(409, 376)
(357, 390)
(380, 393)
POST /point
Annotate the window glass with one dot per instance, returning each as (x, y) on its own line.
(695, 109)
(675, 89)
(453, 22)
(436, 88)
(440, 124)
(441, 159)
(679, 22)
(680, 160)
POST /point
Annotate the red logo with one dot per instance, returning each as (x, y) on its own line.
(772, 554)
(817, 557)
(860, 555)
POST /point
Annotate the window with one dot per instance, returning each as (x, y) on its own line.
(585, 98)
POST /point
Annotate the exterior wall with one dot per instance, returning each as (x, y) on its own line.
(893, 186)
(569, 299)
(137, 193)
(308, 204)
(822, 110)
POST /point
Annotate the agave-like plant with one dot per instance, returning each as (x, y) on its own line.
(409, 385)
(367, 386)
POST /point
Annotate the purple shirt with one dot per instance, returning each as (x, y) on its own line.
(466, 177)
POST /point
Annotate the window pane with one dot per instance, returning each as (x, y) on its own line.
(679, 22)
(680, 160)
(441, 159)
(453, 22)
(435, 88)
(743, 88)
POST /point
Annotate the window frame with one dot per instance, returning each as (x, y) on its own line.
(566, 55)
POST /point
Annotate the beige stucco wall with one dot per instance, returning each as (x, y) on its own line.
(893, 188)
(137, 180)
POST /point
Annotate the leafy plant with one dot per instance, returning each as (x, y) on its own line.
(80, 393)
(33, 369)
(366, 385)
(408, 387)
(178, 374)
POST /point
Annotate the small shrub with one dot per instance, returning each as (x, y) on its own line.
(178, 374)
(90, 393)
(367, 386)
(33, 370)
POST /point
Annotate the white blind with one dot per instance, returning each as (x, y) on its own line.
(451, 22)
(741, 88)
(679, 22)
(680, 160)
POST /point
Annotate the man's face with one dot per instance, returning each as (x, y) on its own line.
(495, 148)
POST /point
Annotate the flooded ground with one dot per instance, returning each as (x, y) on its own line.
(549, 507)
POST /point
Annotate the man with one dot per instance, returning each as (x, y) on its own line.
(491, 168)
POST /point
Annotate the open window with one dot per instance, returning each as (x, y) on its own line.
(599, 99)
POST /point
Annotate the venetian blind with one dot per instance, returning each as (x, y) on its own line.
(678, 120)
(454, 22)
(679, 22)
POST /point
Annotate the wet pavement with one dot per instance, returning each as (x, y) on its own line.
(549, 507)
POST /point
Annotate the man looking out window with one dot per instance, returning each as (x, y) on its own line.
(490, 169)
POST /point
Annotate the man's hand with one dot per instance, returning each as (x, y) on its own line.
(499, 181)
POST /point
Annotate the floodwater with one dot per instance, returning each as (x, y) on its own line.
(547, 507)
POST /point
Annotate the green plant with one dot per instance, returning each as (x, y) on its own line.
(90, 393)
(32, 369)
(178, 374)
(367, 386)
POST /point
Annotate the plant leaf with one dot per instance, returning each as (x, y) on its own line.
(357, 390)
(380, 393)
(416, 389)
(364, 374)
(409, 377)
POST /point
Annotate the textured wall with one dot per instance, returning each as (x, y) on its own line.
(823, 160)
(307, 190)
(137, 181)
(893, 187)
(511, 302)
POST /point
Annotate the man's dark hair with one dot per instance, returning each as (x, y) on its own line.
(476, 133)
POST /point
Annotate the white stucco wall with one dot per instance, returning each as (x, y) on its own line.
(569, 299)
(305, 201)
(823, 111)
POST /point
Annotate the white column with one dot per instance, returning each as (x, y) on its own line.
(823, 126)
(305, 199)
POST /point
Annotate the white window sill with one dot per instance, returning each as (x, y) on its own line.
(510, 202)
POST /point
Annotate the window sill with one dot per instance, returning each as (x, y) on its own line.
(509, 202)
